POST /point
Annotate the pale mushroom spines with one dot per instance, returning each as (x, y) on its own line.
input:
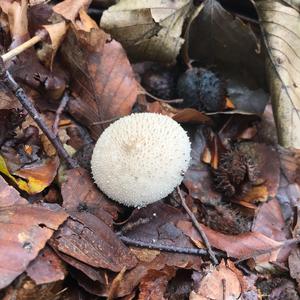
(141, 158)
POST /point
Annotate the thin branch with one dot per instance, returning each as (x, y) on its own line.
(63, 103)
(21, 48)
(11, 84)
(198, 227)
(168, 248)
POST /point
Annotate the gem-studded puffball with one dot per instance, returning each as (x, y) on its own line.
(141, 158)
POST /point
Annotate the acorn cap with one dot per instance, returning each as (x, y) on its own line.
(141, 158)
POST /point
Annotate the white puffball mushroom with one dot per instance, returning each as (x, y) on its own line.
(141, 158)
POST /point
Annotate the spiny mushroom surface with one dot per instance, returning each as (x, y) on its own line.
(141, 158)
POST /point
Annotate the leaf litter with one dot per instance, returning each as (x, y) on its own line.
(62, 238)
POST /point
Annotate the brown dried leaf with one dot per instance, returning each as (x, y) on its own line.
(88, 239)
(80, 194)
(46, 268)
(221, 282)
(102, 75)
(186, 115)
(69, 9)
(24, 231)
(241, 246)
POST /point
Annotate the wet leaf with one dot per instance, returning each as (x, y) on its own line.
(281, 34)
(102, 75)
(149, 30)
(241, 246)
(24, 231)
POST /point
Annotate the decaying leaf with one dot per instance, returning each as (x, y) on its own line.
(102, 75)
(241, 246)
(281, 33)
(221, 282)
(102, 247)
(149, 30)
(24, 231)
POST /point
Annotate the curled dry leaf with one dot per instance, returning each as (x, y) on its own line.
(24, 231)
(186, 115)
(281, 32)
(241, 246)
(149, 30)
(102, 75)
(33, 178)
(69, 9)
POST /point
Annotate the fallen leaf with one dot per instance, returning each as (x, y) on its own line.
(24, 231)
(294, 265)
(80, 194)
(221, 282)
(198, 178)
(155, 27)
(281, 34)
(8, 195)
(101, 75)
(69, 9)
(91, 241)
(33, 178)
(154, 284)
(241, 246)
(186, 115)
(46, 268)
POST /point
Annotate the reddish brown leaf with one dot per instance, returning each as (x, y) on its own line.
(88, 239)
(154, 284)
(80, 194)
(102, 75)
(46, 268)
(8, 195)
(24, 231)
(241, 246)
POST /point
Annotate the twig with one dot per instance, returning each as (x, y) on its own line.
(168, 248)
(10, 83)
(197, 225)
(16, 51)
(63, 103)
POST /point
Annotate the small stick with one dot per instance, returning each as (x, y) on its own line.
(16, 51)
(224, 288)
(63, 103)
(106, 121)
(11, 84)
(197, 225)
(174, 249)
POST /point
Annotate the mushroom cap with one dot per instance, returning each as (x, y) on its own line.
(141, 158)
